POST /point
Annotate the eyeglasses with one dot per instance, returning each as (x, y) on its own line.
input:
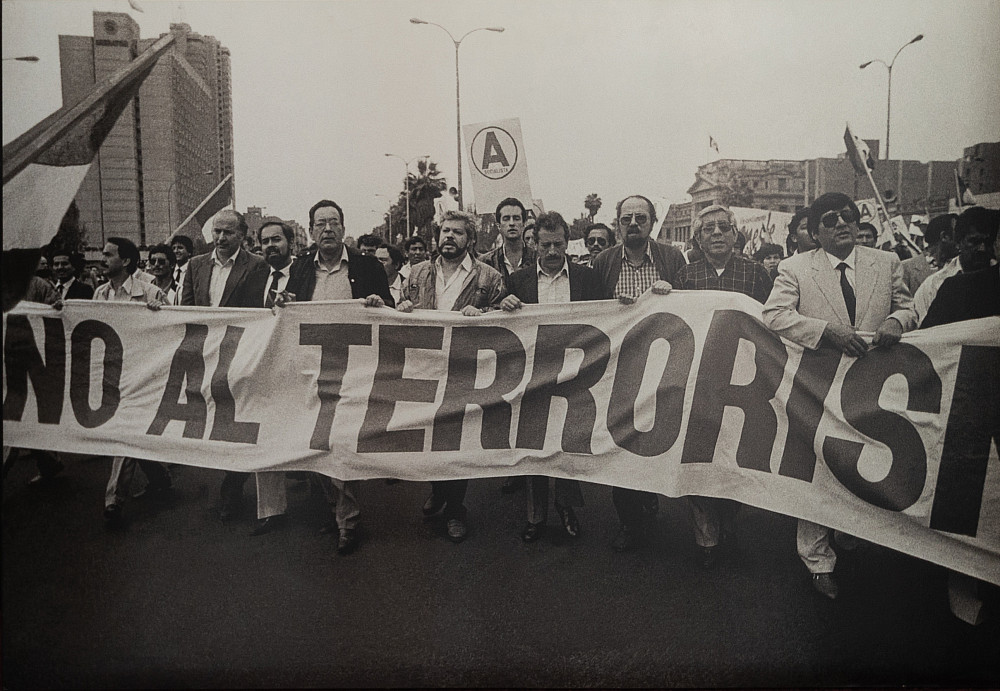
(829, 219)
(158, 261)
(710, 228)
(320, 225)
(596, 240)
(640, 219)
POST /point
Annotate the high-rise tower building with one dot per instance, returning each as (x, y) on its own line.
(170, 148)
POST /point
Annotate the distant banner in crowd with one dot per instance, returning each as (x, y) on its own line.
(761, 226)
(499, 167)
(681, 394)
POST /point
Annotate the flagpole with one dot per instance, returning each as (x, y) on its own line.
(884, 215)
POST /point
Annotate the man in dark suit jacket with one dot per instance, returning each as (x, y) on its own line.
(972, 295)
(626, 272)
(66, 266)
(322, 275)
(552, 279)
(212, 281)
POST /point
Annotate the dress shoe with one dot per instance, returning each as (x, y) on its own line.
(456, 530)
(569, 521)
(433, 505)
(709, 557)
(512, 484)
(347, 542)
(268, 524)
(825, 584)
(532, 532)
(628, 539)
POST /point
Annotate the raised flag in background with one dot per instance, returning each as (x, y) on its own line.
(199, 220)
(43, 168)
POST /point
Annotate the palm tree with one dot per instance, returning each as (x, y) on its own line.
(593, 205)
(426, 186)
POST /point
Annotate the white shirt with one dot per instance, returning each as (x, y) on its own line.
(849, 260)
(282, 282)
(396, 288)
(553, 288)
(220, 274)
(179, 273)
(447, 292)
(61, 288)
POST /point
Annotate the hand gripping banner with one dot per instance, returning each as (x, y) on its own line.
(681, 394)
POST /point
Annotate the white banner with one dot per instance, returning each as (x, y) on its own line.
(497, 163)
(681, 394)
(761, 226)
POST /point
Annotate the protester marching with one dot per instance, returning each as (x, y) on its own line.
(822, 362)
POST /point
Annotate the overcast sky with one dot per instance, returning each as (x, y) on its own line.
(613, 97)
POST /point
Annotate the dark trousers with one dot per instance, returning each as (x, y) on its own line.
(634, 506)
(232, 488)
(453, 494)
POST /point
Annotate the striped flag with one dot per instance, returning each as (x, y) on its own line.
(43, 168)
(858, 152)
(200, 219)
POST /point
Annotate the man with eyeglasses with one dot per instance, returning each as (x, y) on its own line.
(334, 271)
(723, 268)
(597, 237)
(815, 303)
(160, 262)
(626, 273)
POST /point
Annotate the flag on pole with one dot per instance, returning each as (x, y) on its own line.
(43, 168)
(858, 152)
(217, 200)
(712, 144)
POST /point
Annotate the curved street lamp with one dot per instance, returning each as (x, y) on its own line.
(170, 196)
(406, 182)
(23, 58)
(458, 100)
(888, 103)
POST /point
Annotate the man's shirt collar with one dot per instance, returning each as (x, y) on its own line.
(563, 270)
(231, 260)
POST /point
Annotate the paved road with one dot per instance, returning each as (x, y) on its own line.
(179, 599)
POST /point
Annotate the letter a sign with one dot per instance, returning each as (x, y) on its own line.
(497, 161)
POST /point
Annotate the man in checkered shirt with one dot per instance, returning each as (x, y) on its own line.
(627, 271)
(722, 269)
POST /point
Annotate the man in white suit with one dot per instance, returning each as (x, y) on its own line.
(823, 298)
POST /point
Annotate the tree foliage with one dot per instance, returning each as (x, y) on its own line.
(592, 204)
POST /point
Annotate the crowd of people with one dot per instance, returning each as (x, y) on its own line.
(810, 298)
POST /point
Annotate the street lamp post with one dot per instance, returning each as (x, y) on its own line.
(170, 196)
(406, 183)
(458, 98)
(888, 103)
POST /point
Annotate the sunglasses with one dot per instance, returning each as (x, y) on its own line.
(829, 219)
(640, 219)
(159, 260)
(597, 241)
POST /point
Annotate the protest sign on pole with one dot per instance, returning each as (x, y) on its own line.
(761, 226)
(497, 161)
(683, 394)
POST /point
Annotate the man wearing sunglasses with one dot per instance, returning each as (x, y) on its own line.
(823, 298)
(598, 237)
(627, 273)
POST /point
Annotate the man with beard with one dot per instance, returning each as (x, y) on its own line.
(723, 268)
(211, 281)
(334, 271)
(458, 282)
(974, 233)
(627, 273)
(815, 304)
(552, 280)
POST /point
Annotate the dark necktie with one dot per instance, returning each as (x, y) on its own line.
(177, 275)
(59, 289)
(272, 289)
(847, 290)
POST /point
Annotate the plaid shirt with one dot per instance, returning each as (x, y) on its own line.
(741, 275)
(636, 280)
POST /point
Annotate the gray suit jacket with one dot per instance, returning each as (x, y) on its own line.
(199, 275)
(807, 296)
